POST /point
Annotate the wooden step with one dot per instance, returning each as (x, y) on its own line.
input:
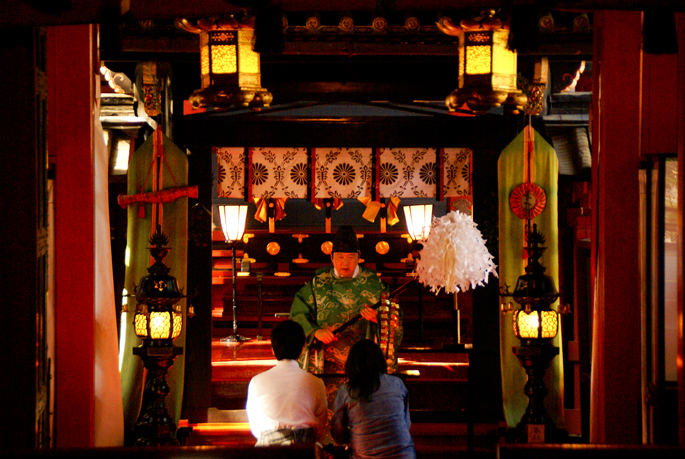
(453, 396)
(431, 439)
(436, 371)
(243, 360)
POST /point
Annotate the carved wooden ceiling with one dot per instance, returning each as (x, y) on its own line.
(349, 33)
(323, 27)
(52, 12)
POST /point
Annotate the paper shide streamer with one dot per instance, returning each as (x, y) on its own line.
(454, 256)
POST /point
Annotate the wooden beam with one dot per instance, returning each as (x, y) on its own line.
(71, 74)
(616, 398)
(680, 326)
(22, 13)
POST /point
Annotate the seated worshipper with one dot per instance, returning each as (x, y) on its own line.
(371, 410)
(286, 405)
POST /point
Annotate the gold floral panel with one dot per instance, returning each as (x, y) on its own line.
(279, 172)
(407, 172)
(230, 172)
(343, 173)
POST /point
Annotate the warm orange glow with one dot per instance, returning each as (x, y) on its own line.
(160, 326)
(254, 342)
(233, 221)
(245, 363)
(503, 60)
(249, 60)
(528, 326)
(419, 219)
(178, 325)
(432, 364)
(217, 428)
(485, 59)
(204, 56)
(478, 60)
(140, 325)
(224, 59)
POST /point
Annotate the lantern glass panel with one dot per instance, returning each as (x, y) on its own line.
(160, 325)
(550, 323)
(504, 61)
(224, 59)
(419, 219)
(249, 60)
(233, 221)
(461, 66)
(178, 324)
(204, 54)
(526, 324)
(140, 325)
(478, 59)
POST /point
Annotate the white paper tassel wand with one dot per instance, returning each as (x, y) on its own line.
(454, 256)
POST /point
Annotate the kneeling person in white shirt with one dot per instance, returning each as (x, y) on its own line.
(287, 405)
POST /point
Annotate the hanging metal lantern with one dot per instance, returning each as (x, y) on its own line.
(229, 68)
(487, 69)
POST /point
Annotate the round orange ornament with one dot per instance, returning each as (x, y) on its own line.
(273, 248)
(327, 247)
(382, 248)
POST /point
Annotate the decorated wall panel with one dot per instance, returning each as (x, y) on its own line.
(381, 179)
(278, 172)
(230, 172)
(343, 172)
(408, 172)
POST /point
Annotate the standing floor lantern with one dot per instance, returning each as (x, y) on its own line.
(158, 320)
(536, 325)
(419, 220)
(233, 226)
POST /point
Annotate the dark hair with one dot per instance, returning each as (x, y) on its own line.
(364, 366)
(287, 340)
(345, 240)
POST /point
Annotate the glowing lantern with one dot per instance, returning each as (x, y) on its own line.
(229, 68)
(487, 69)
(419, 219)
(158, 317)
(535, 324)
(158, 321)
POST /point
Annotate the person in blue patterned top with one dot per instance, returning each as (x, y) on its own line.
(371, 410)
